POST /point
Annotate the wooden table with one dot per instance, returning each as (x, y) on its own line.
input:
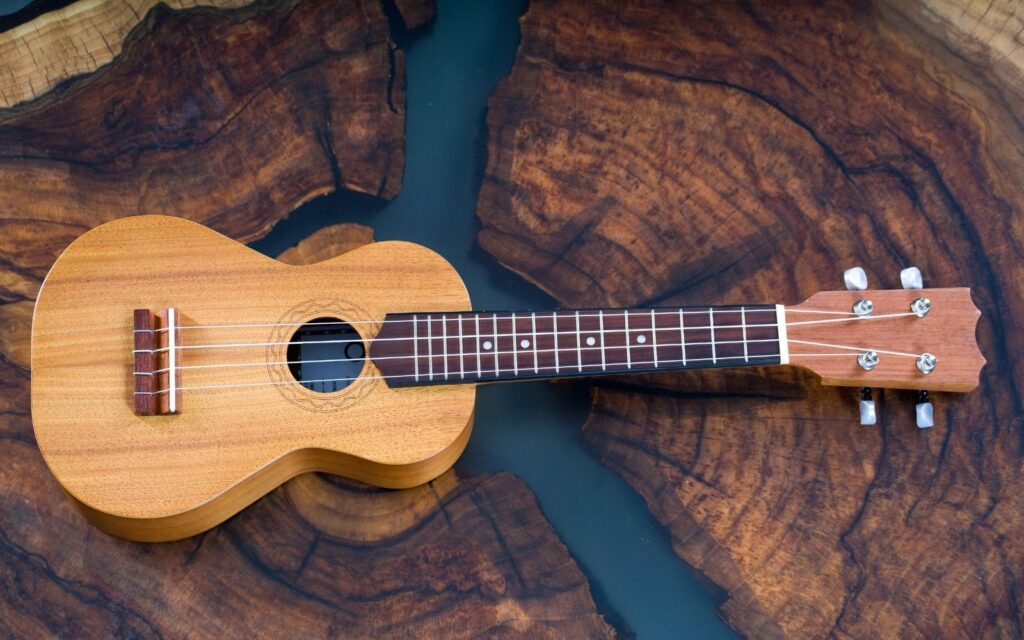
(692, 152)
(649, 153)
(233, 116)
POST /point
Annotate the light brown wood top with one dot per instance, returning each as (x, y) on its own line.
(226, 447)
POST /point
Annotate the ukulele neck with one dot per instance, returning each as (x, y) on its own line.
(449, 348)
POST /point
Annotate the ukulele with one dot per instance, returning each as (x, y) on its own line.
(177, 375)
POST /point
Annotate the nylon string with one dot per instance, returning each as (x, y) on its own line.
(497, 370)
(513, 335)
(611, 312)
(410, 375)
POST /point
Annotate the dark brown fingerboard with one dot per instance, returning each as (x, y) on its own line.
(449, 348)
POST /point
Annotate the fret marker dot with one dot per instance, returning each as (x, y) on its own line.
(641, 339)
(487, 345)
(591, 341)
(524, 344)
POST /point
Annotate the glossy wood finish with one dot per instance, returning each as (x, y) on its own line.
(655, 153)
(465, 557)
(75, 40)
(268, 103)
(821, 334)
(316, 557)
(451, 348)
(180, 474)
(947, 332)
(158, 443)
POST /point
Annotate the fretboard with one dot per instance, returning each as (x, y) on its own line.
(455, 347)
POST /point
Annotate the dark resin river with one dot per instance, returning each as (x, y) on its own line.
(531, 429)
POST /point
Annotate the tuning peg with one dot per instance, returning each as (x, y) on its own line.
(911, 278)
(868, 416)
(925, 411)
(855, 279)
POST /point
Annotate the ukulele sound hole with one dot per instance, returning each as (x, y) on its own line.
(326, 355)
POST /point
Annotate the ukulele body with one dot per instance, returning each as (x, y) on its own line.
(167, 477)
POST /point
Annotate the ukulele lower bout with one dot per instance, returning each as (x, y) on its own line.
(152, 449)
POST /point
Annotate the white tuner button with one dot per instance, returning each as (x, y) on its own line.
(855, 279)
(924, 410)
(910, 278)
(867, 413)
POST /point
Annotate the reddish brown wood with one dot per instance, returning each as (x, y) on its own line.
(415, 13)
(683, 152)
(152, 333)
(459, 558)
(318, 557)
(946, 332)
(232, 118)
(458, 347)
(145, 384)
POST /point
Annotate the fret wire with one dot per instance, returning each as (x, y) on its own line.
(415, 349)
(444, 339)
(533, 324)
(682, 336)
(494, 327)
(515, 346)
(625, 315)
(479, 366)
(711, 323)
(743, 323)
(654, 338)
(462, 362)
(554, 330)
(579, 350)
(430, 349)
(600, 319)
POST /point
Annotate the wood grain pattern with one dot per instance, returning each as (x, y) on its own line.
(660, 153)
(318, 557)
(328, 242)
(201, 147)
(946, 332)
(39, 55)
(270, 105)
(181, 474)
(415, 13)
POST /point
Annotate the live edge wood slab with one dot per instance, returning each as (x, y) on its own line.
(685, 152)
(276, 103)
(318, 557)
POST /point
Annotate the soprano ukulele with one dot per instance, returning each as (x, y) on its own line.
(177, 375)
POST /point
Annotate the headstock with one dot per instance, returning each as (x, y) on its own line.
(911, 338)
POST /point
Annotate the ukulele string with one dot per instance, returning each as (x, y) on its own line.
(859, 349)
(545, 314)
(553, 369)
(488, 373)
(526, 350)
(507, 335)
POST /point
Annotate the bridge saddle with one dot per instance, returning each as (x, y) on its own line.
(157, 385)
